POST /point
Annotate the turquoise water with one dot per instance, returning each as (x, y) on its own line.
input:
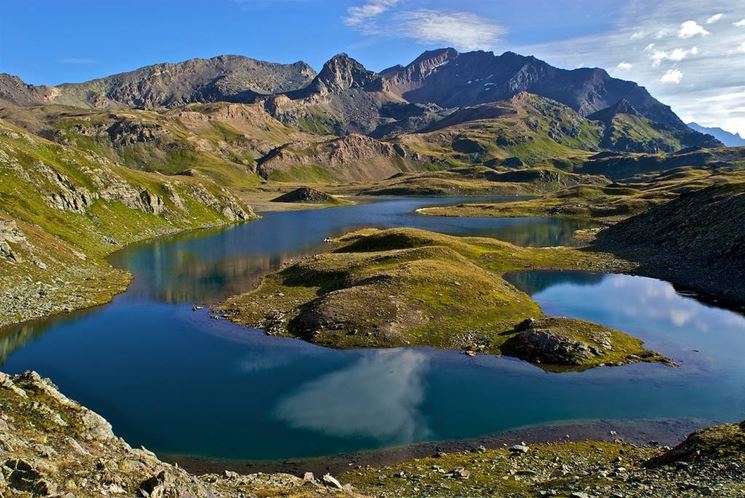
(177, 381)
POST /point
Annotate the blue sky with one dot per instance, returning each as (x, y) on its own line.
(50, 42)
(690, 54)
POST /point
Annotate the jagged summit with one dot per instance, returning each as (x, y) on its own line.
(342, 72)
(606, 115)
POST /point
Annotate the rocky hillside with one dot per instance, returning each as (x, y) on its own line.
(450, 79)
(62, 209)
(350, 158)
(222, 141)
(344, 98)
(622, 166)
(696, 240)
(228, 78)
(627, 130)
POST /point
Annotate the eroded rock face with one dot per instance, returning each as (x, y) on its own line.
(375, 159)
(151, 202)
(10, 234)
(66, 196)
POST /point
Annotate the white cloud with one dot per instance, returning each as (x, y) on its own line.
(740, 49)
(462, 30)
(716, 68)
(714, 18)
(459, 29)
(739, 23)
(673, 76)
(675, 55)
(624, 66)
(636, 35)
(690, 29)
(358, 14)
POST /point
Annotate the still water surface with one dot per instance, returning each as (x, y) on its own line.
(179, 382)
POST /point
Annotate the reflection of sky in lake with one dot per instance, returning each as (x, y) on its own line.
(651, 310)
(378, 397)
(180, 382)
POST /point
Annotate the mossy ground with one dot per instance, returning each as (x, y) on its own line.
(498, 472)
(609, 203)
(397, 287)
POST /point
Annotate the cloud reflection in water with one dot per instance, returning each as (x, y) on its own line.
(377, 397)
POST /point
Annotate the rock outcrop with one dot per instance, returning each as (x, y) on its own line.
(353, 157)
(696, 240)
(305, 194)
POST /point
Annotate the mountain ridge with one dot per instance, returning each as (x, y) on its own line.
(727, 138)
(344, 97)
(230, 78)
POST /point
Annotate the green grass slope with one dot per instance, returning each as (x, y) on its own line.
(63, 208)
(525, 129)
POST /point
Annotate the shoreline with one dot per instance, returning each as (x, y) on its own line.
(650, 433)
(118, 287)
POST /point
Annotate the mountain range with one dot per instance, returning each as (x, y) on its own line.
(345, 97)
(239, 121)
(724, 136)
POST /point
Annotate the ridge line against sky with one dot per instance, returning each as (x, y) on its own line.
(690, 55)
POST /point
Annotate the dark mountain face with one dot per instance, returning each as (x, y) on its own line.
(456, 80)
(224, 78)
(400, 79)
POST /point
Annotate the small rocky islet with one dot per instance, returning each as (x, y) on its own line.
(430, 289)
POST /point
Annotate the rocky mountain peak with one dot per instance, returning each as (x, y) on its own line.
(623, 106)
(401, 79)
(606, 115)
(341, 73)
